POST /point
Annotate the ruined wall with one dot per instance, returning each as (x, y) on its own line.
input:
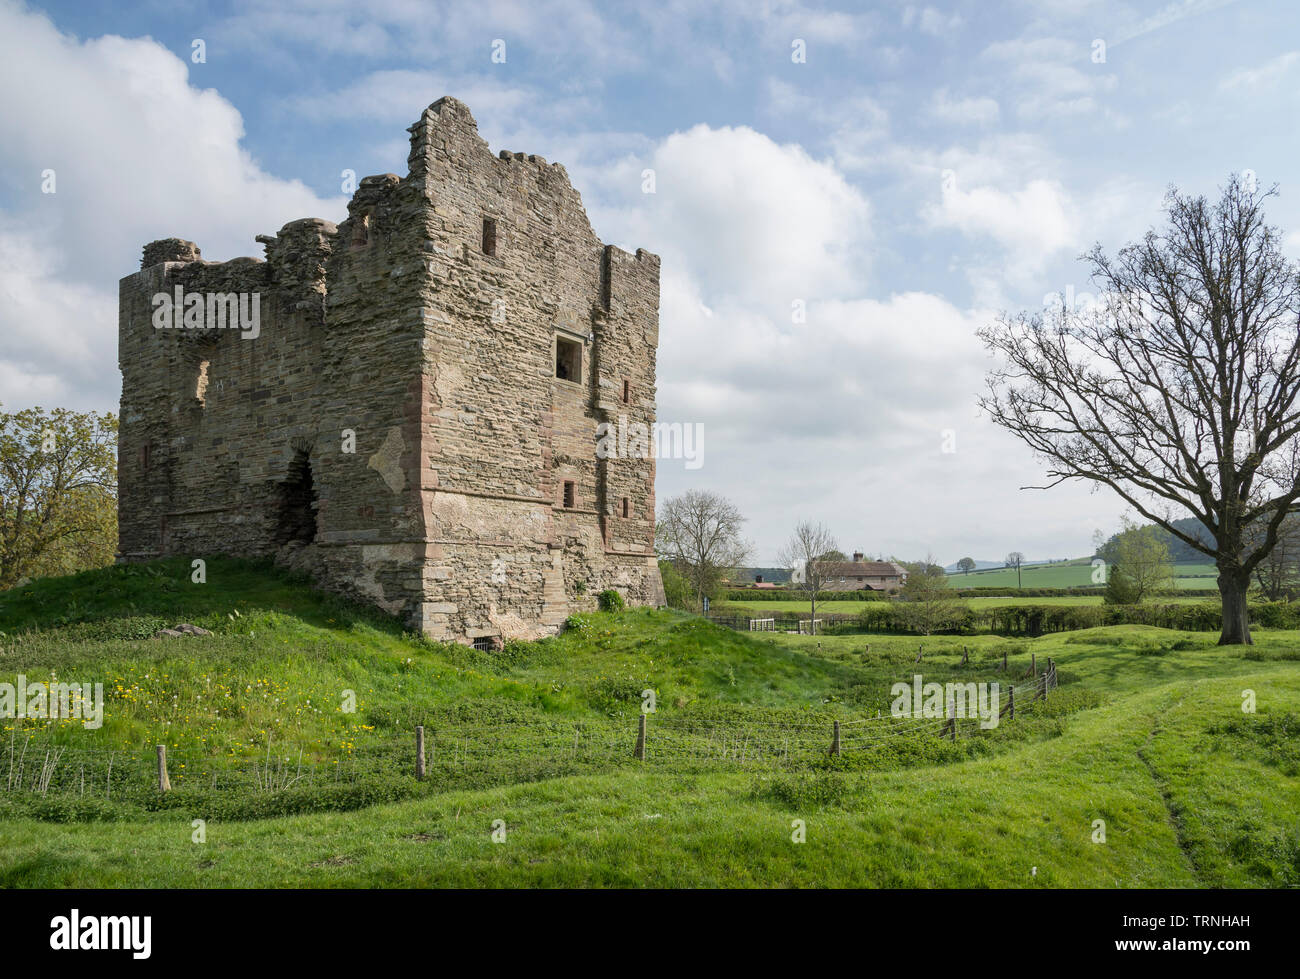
(515, 268)
(197, 471)
(424, 328)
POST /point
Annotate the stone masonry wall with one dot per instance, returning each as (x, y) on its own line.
(422, 333)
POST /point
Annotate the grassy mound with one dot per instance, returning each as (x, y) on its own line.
(290, 732)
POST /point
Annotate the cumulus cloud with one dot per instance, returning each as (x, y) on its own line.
(745, 215)
(1031, 223)
(138, 153)
(841, 412)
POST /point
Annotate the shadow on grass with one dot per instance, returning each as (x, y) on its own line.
(164, 590)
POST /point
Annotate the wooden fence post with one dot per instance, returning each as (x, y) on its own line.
(640, 738)
(419, 751)
(164, 783)
(952, 719)
(1033, 665)
(1011, 702)
(918, 654)
(835, 740)
(965, 656)
(1004, 661)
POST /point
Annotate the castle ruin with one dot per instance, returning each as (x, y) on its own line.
(407, 404)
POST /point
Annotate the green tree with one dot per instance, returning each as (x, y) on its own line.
(677, 590)
(1141, 557)
(1120, 589)
(58, 492)
(966, 565)
(926, 603)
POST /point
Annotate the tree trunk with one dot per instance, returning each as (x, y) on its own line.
(1236, 623)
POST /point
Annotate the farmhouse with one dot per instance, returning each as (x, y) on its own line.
(413, 416)
(858, 574)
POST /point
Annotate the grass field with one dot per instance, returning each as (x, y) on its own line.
(1145, 732)
(1076, 573)
(852, 608)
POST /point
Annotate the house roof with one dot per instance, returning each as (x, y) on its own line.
(777, 575)
(862, 569)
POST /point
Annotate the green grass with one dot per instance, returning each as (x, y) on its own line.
(1146, 732)
(757, 609)
(1076, 573)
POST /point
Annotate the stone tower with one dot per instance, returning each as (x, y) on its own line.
(407, 405)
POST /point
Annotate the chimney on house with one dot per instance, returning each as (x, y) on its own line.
(857, 556)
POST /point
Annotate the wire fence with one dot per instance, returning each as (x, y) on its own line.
(676, 741)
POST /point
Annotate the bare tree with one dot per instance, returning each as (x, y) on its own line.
(805, 555)
(699, 532)
(1278, 574)
(1014, 560)
(1177, 390)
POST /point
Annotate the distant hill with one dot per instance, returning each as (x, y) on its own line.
(1180, 552)
(991, 565)
(979, 566)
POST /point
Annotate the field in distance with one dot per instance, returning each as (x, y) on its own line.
(1073, 574)
(852, 608)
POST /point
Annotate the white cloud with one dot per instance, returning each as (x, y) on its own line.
(1267, 75)
(1052, 77)
(745, 215)
(139, 154)
(1169, 14)
(928, 20)
(979, 110)
(1031, 224)
(840, 417)
(396, 97)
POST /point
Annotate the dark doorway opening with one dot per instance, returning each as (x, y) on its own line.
(297, 517)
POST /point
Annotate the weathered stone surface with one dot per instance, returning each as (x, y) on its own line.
(397, 427)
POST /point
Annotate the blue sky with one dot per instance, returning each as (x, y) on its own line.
(923, 168)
